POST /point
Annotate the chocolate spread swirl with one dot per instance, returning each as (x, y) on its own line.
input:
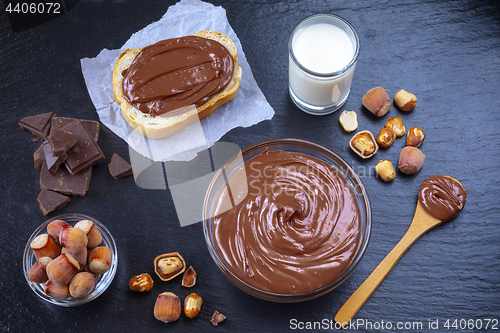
(176, 73)
(296, 229)
(442, 197)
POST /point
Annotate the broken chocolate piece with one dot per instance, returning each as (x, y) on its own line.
(217, 318)
(53, 162)
(85, 153)
(92, 125)
(60, 141)
(39, 156)
(39, 125)
(119, 168)
(49, 201)
(65, 183)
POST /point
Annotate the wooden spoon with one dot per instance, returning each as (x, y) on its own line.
(422, 222)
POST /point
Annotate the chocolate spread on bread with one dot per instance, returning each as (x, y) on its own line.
(442, 197)
(175, 73)
(297, 227)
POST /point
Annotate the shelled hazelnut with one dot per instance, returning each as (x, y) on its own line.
(386, 137)
(415, 137)
(141, 283)
(385, 170)
(396, 124)
(405, 100)
(192, 305)
(348, 120)
(364, 144)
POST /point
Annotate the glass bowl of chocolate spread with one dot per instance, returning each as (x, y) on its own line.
(286, 220)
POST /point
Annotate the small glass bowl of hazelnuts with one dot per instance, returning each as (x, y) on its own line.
(70, 260)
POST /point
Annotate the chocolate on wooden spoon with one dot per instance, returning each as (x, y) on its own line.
(440, 198)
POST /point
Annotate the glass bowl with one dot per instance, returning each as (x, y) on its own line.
(105, 279)
(298, 146)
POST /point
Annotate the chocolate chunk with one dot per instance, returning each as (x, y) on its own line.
(85, 152)
(92, 125)
(44, 154)
(39, 125)
(60, 141)
(65, 183)
(49, 201)
(119, 168)
(39, 156)
(53, 162)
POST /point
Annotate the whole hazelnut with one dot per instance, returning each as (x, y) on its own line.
(167, 307)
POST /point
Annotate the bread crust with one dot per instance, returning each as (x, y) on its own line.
(162, 126)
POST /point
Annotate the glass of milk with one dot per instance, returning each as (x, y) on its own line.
(323, 50)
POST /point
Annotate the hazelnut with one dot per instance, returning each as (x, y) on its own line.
(217, 318)
(411, 160)
(59, 292)
(167, 307)
(37, 273)
(377, 101)
(45, 246)
(385, 170)
(73, 239)
(415, 137)
(396, 124)
(82, 284)
(55, 227)
(405, 100)
(100, 260)
(169, 265)
(189, 277)
(192, 305)
(348, 120)
(364, 144)
(386, 137)
(81, 257)
(141, 283)
(94, 236)
(62, 269)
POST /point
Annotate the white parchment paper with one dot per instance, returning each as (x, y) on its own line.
(185, 18)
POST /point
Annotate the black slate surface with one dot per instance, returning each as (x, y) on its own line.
(446, 52)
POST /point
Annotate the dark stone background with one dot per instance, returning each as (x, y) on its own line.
(446, 52)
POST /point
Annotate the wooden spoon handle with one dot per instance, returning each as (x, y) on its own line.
(361, 295)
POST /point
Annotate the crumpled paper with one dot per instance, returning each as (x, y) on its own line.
(187, 17)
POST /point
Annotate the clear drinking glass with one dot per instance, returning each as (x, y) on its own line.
(323, 50)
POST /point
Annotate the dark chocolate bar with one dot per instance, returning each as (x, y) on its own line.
(92, 125)
(39, 125)
(65, 183)
(60, 141)
(119, 168)
(49, 201)
(85, 153)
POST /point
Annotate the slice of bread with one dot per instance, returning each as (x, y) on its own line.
(164, 125)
